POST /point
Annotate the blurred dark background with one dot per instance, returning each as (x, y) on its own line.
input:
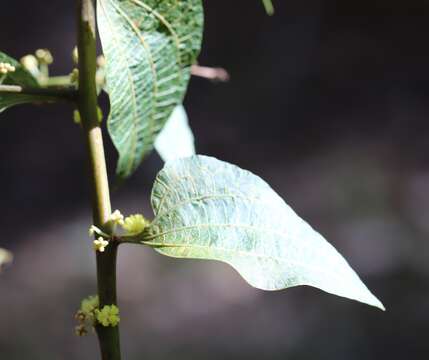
(328, 101)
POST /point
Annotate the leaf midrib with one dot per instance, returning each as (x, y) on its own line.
(208, 225)
(205, 197)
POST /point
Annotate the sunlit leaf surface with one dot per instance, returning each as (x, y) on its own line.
(149, 47)
(208, 209)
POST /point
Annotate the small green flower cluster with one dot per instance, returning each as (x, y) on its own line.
(131, 225)
(90, 315)
(135, 224)
(108, 315)
(86, 315)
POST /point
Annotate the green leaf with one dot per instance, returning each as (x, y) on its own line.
(149, 47)
(208, 209)
(9, 100)
(20, 77)
(269, 8)
(176, 140)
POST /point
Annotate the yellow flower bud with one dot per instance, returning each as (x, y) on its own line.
(74, 76)
(100, 244)
(80, 330)
(6, 68)
(101, 61)
(135, 224)
(44, 56)
(116, 218)
(75, 55)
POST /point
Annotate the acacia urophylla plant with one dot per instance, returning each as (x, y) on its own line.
(204, 208)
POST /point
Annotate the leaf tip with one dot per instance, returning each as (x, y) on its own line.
(368, 298)
(377, 304)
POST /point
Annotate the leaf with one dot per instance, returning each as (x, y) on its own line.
(269, 8)
(19, 77)
(176, 140)
(5, 257)
(208, 209)
(8, 100)
(149, 47)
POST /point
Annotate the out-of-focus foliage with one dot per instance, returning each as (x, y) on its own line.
(269, 8)
(5, 257)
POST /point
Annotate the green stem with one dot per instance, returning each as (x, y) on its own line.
(106, 262)
(58, 81)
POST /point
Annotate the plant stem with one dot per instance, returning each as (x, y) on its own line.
(58, 80)
(106, 262)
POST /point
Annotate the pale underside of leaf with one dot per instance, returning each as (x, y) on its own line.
(19, 77)
(149, 47)
(176, 140)
(208, 209)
